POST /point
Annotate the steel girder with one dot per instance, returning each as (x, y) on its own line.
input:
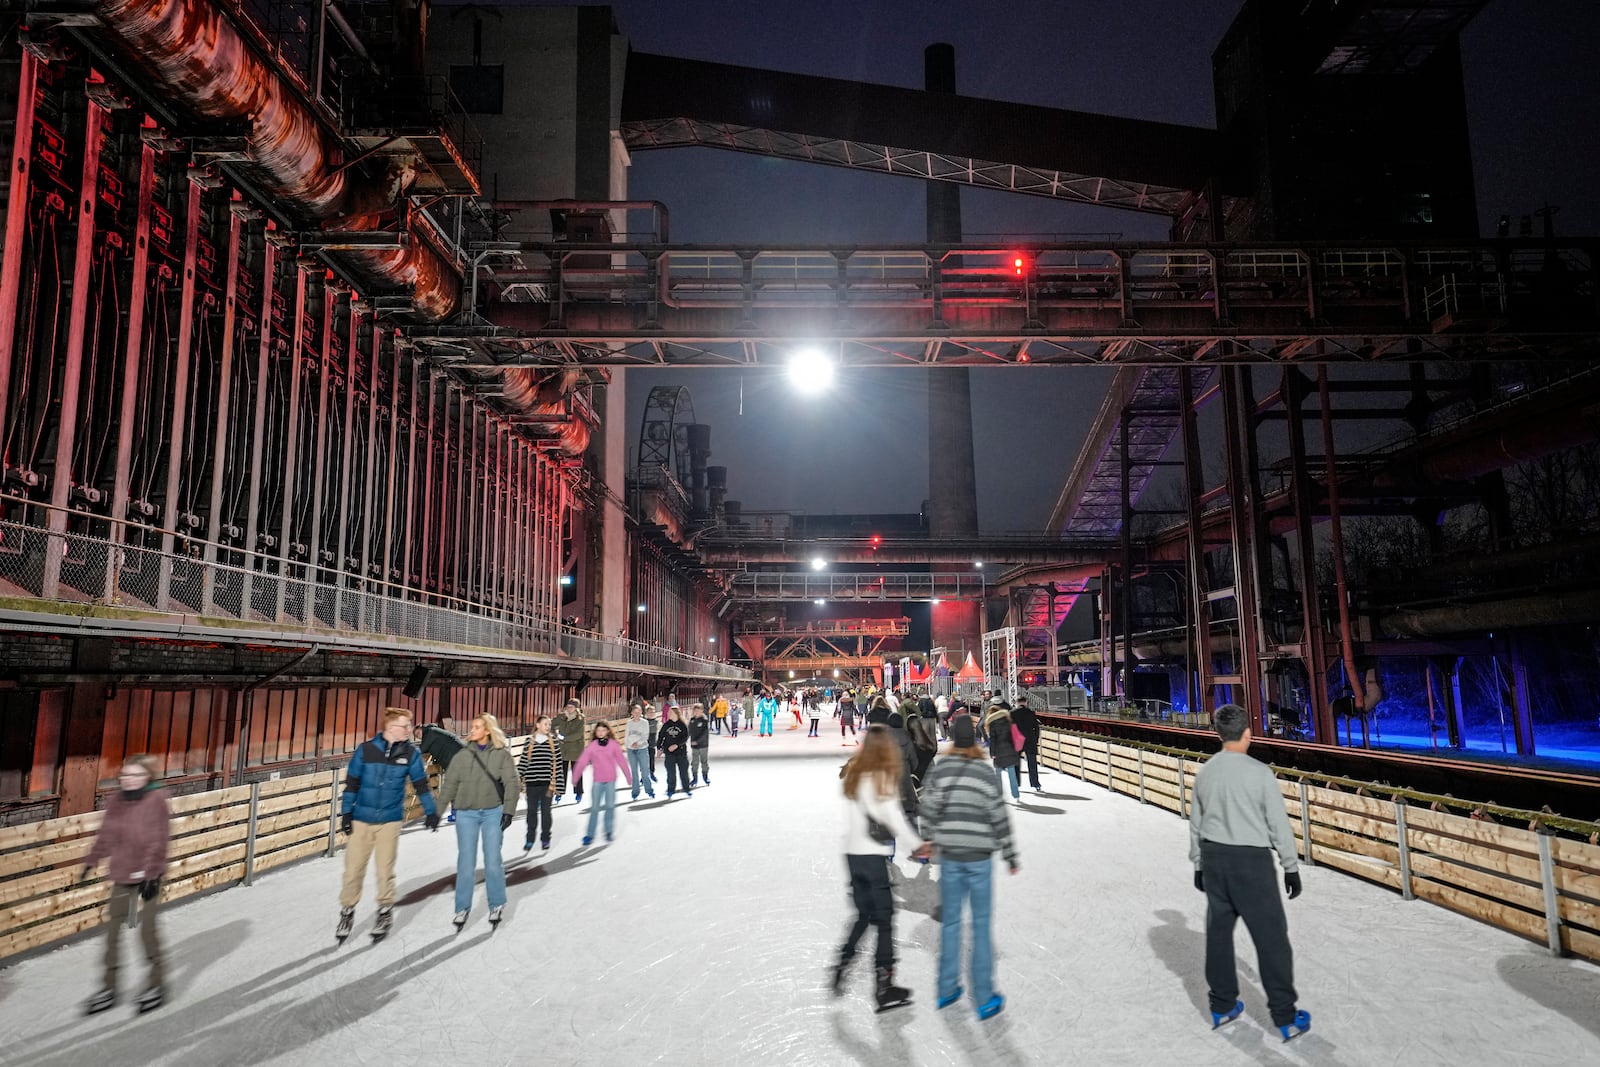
(773, 586)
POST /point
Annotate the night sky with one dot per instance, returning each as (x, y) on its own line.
(1533, 95)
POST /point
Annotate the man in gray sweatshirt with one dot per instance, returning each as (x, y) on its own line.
(1236, 822)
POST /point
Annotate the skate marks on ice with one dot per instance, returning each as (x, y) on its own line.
(1570, 987)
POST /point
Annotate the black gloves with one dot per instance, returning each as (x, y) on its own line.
(347, 823)
(1200, 880)
(1291, 882)
(149, 888)
(505, 820)
(431, 822)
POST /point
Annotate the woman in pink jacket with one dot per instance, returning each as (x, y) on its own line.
(133, 841)
(607, 758)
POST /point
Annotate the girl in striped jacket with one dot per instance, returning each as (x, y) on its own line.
(540, 767)
(964, 815)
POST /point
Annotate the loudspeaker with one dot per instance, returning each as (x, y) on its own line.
(582, 684)
(418, 679)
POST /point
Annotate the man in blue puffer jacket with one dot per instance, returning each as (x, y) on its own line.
(371, 811)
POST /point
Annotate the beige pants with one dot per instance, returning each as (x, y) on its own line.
(122, 900)
(364, 839)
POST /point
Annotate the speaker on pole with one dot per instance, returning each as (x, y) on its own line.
(583, 683)
(418, 679)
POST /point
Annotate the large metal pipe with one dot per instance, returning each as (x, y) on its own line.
(193, 50)
(1545, 609)
(544, 393)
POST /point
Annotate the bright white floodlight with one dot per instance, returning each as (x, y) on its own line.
(817, 563)
(810, 371)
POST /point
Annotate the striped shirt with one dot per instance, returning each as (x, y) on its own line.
(963, 813)
(542, 763)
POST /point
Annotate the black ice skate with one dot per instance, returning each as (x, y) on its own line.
(347, 919)
(840, 969)
(150, 999)
(101, 1001)
(383, 924)
(888, 994)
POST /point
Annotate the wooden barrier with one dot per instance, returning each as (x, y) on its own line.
(1525, 880)
(220, 838)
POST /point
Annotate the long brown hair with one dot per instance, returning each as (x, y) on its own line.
(878, 759)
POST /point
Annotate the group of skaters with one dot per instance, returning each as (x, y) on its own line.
(899, 795)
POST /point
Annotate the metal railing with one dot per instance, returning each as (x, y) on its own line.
(224, 583)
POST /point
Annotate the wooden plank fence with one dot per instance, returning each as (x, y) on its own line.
(1526, 880)
(220, 838)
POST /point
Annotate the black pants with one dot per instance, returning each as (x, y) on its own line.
(575, 782)
(847, 724)
(538, 810)
(652, 758)
(1030, 752)
(924, 758)
(677, 769)
(869, 888)
(815, 722)
(1242, 883)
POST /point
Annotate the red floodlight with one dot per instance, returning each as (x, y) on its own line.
(1018, 265)
(877, 539)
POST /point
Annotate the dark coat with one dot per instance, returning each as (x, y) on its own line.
(1028, 723)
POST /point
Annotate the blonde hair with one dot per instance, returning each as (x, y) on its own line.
(497, 736)
(879, 759)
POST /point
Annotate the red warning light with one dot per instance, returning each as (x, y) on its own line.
(1017, 264)
(877, 539)
(1022, 357)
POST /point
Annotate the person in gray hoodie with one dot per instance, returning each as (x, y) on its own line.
(1237, 820)
(636, 744)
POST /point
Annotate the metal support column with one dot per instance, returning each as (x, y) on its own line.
(291, 454)
(16, 228)
(250, 834)
(258, 436)
(1312, 652)
(1126, 597)
(180, 392)
(408, 523)
(314, 549)
(224, 397)
(1200, 694)
(341, 546)
(1242, 501)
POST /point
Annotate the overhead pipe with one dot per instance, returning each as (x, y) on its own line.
(1336, 545)
(545, 393)
(198, 55)
(1543, 609)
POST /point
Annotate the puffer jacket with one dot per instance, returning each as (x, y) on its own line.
(471, 787)
(1001, 749)
(375, 782)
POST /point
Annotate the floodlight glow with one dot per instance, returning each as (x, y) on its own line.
(810, 371)
(935, 603)
(641, 607)
(713, 640)
(836, 672)
(819, 602)
(817, 563)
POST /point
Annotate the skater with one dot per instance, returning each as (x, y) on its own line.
(1002, 744)
(133, 838)
(540, 767)
(1236, 821)
(482, 783)
(636, 744)
(873, 820)
(766, 708)
(370, 813)
(1027, 722)
(652, 716)
(569, 728)
(847, 716)
(908, 763)
(699, 746)
(719, 712)
(964, 815)
(924, 730)
(735, 713)
(674, 744)
(814, 710)
(605, 756)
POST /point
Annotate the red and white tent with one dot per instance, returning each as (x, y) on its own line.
(969, 671)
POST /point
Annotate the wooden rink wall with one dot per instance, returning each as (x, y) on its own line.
(1526, 880)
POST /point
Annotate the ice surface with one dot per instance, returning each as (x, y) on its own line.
(702, 936)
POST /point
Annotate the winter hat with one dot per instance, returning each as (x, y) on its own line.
(996, 700)
(896, 721)
(961, 733)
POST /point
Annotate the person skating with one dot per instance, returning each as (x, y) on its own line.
(653, 717)
(636, 745)
(924, 731)
(964, 815)
(570, 725)
(847, 716)
(482, 784)
(908, 762)
(540, 767)
(1237, 819)
(699, 746)
(1028, 722)
(735, 715)
(719, 712)
(1002, 744)
(673, 741)
(873, 821)
(815, 712)
(766, 708)
(371, 810)
(605, 756)
(133, 840)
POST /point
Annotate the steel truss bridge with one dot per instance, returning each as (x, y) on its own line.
(699, 305)
(816, 585)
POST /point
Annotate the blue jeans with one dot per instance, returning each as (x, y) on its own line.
(470, 824)
(603, 795)
(1009, 775)
(960, 883)
(639, 764)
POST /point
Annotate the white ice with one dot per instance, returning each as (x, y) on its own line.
(703, 934)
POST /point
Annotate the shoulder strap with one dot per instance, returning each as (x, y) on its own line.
(499, 786)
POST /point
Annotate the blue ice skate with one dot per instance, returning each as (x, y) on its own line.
(1222, 1018)
(991, 1007)
(945, 1002)
(1302, 1023)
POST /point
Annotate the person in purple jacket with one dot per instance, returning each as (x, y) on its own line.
(133, 841)
(606, 757)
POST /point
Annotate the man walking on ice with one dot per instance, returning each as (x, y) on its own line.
(1235, 824)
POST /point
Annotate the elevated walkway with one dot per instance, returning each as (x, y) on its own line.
(1100, 953)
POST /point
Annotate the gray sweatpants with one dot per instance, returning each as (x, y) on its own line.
(699, 765)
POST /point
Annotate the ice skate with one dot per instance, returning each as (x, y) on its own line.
(889, 995)
(587, 841)
(101, 1001)
(150, 999)
(991, 1007)
(840, 969)
(1223, 1018)
(527, 846)
(383, 924)
(495, 915)
(545, 844)
(460, 920)
(946, 1001)
(347, 919)
(1302, 1023)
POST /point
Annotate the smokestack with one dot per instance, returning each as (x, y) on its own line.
(733, 514)
(699, 452)
(716, 489)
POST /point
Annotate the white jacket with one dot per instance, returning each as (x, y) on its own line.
(885, 809)
(636, 734)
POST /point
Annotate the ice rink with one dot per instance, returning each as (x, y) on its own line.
(702, 936)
